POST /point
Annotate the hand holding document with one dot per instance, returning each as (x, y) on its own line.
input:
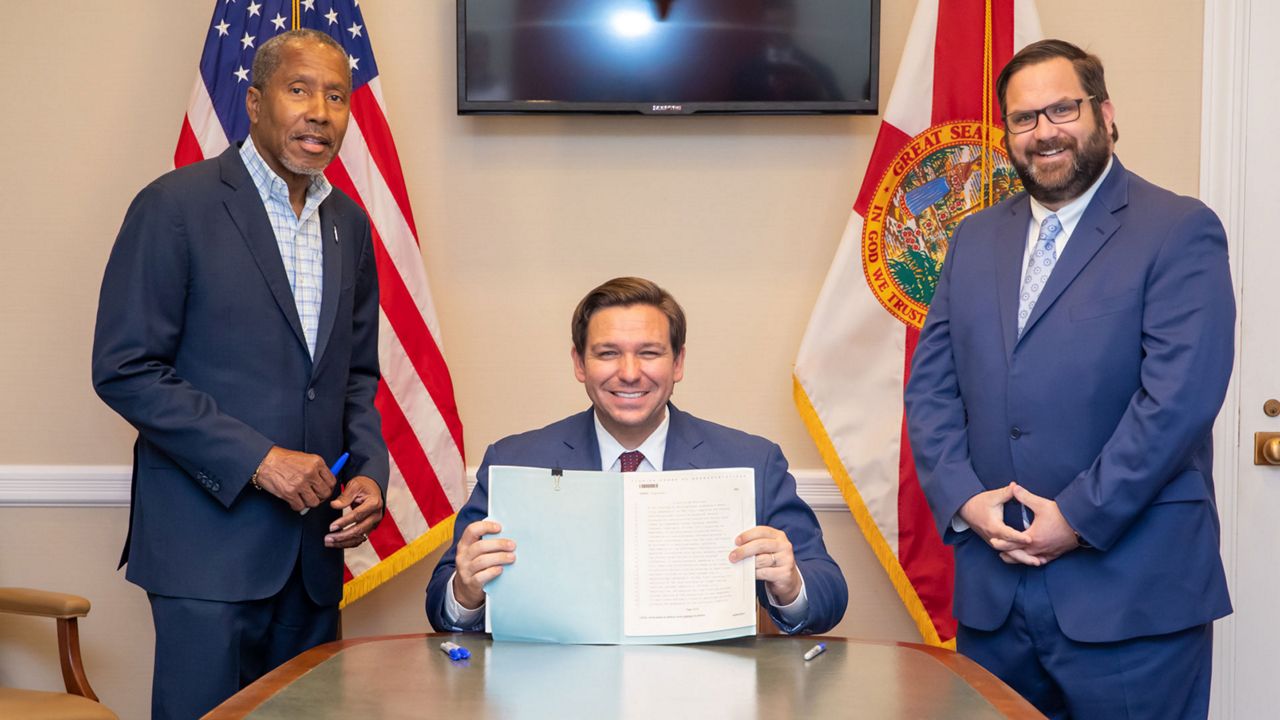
(622, 558)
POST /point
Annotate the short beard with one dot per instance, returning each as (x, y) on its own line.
(301, 169)
(1088, 162)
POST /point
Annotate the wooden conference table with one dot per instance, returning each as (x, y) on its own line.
(407, 676)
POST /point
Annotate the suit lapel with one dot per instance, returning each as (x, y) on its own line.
(1009, 270)
(250, 218)
(684, 443)
(331, 249)
(1095, 228)
(579, 449)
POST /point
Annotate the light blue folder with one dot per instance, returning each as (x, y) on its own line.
(566, 583)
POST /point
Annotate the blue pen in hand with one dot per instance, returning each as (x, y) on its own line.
(337, 464)
(337, 468)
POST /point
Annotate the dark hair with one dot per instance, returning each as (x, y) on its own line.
(267, 59)
(1088, 69)
(624, 292)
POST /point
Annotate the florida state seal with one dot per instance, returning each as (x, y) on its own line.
(933, 183)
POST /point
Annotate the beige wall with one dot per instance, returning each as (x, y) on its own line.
(518, 217)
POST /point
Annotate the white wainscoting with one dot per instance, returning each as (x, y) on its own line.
(108, 486)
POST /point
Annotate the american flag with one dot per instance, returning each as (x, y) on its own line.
(415, 397)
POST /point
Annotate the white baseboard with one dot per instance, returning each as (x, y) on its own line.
(108, 486)
(64, 485)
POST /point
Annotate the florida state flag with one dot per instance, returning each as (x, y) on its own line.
(938, 158)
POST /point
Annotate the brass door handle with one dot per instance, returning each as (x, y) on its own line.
(1266, 448)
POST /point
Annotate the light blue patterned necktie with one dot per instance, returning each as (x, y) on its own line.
(1039, 266)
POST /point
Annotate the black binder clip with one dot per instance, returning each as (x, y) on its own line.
(556, 473)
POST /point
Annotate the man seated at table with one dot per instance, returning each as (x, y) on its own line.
(628, 350)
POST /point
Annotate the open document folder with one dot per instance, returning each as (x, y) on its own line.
(622, 558)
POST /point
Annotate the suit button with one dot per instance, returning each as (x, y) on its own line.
(1015, 433)
(311, 393)
(215, 487)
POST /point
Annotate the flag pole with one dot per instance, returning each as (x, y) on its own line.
(988, 161)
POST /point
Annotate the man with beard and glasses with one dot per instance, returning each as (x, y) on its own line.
(1060, 404)
(238, 333)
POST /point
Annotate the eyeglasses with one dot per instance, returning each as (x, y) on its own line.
(1058, 113)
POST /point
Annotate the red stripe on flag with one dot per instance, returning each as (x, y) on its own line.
(382, 147)
(188, 150)
(889, 142)
(409, 325)
(411, 328)
(414, 465)
(927, 561)
(957, 81)
(387, 538)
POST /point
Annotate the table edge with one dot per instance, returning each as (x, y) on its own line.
(991, 688)
(994, 690)
(248, 699)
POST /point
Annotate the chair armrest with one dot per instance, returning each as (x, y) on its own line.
(65, 609)
(26, 601)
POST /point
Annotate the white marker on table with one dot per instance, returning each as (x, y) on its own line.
(815, 651)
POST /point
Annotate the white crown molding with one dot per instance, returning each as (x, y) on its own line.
(108, 486)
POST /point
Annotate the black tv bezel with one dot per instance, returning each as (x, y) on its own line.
(870, 106)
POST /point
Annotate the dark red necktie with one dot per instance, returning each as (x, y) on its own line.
(630, 460)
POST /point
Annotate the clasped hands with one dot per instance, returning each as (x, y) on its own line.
(302, 480)
(480, 558)
(1048, 537)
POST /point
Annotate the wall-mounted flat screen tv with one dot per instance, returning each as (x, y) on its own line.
(668, 56)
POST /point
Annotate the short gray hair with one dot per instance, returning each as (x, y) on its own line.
(267, 59)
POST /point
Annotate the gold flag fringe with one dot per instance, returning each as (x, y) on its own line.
(400, 560)
(858, 508)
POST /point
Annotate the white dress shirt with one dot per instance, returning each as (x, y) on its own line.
(297, 236)
(1068, 216)
(654, 447)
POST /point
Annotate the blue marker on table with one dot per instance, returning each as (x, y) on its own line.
(815, 651)
(455, 651)
(337, 468)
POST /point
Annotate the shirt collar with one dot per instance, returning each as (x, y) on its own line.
(1069, 215)
(654, 447)
(270, 184)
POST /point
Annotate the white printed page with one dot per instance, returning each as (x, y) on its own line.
(678, 529)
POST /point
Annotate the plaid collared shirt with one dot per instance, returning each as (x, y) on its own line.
(298, 237)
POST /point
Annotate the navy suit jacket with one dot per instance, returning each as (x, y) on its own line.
(199, 347)
(1105, 404)
(691, 444)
